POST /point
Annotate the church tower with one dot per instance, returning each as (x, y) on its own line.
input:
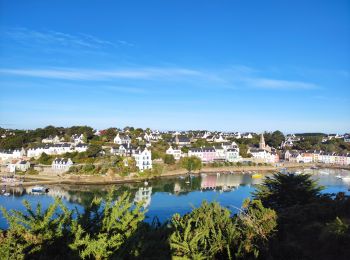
(262, 142)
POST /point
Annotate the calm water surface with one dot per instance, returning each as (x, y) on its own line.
(166, 196)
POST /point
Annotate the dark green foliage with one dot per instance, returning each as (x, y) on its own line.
(285, 190)
(93, 150)
(310, 225)
(45, 159)
(169, 159)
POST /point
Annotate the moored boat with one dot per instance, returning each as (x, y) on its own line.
(257, 176)
(40, 189)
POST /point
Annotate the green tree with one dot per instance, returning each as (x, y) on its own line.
(192, 163)
(93, 150)
(169, 159)
(45, 159)
(112, 227)
(204, 233)
(36, 234)
(285, 190)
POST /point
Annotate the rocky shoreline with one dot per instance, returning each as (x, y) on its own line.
(103, 180)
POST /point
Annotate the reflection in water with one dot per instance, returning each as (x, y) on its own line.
(227, 182)
(158, 194)
(144, 195)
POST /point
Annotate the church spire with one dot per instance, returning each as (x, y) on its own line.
(262, 142)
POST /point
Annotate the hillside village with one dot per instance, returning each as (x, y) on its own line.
(84, 149)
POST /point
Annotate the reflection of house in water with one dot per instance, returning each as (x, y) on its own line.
(144, 194)
(177, 188)
(57, 192)
(223, 181)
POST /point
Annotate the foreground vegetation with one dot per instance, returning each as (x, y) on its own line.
(287, 218)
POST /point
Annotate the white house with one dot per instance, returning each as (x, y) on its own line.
(122, 139)
(123, 150)
(219, 139)
(50, 149)
(11, 154)
(143, 158)
(261, 155)
(51, 140)
(232, 155)
(60, 164)
(81, 147)
(77, 138)
(177, 153)
(247, 136)
(22, 165)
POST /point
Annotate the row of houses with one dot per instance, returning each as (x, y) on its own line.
(317, 157)
(52, 149)
(223, 152)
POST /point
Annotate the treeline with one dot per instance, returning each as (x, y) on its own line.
(23, 138)
(288, 218)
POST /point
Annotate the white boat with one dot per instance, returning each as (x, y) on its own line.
(298, 172)
(39, 189)
(339, 177)
(7, 194)
(203, 175)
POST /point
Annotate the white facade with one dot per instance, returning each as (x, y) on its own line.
(22, 165)
(77, 138)
(6, 155)
(143, 159)
(60, 164)
(51, 140)
(122, 139)
(174, 152)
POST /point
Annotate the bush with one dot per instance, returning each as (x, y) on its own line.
(169, 159)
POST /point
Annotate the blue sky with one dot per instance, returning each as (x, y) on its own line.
(222, 65)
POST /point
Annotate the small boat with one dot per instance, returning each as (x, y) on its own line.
(218, 174)
(40, 189)
(7, 194)
(181, 177)
(203, 175)
(314, 168)
(339, 177)
(257, 176)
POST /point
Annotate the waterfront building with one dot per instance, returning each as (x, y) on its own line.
(61, 164)
(143, 158)
(9, 154)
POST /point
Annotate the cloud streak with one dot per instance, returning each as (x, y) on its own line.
(195, 77)
(267, 83)
(82, 74)
(81, 40)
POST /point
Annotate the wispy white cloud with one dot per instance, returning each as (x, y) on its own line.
(82, 74)
(81, 40)
(268, 83)
(225, 79)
